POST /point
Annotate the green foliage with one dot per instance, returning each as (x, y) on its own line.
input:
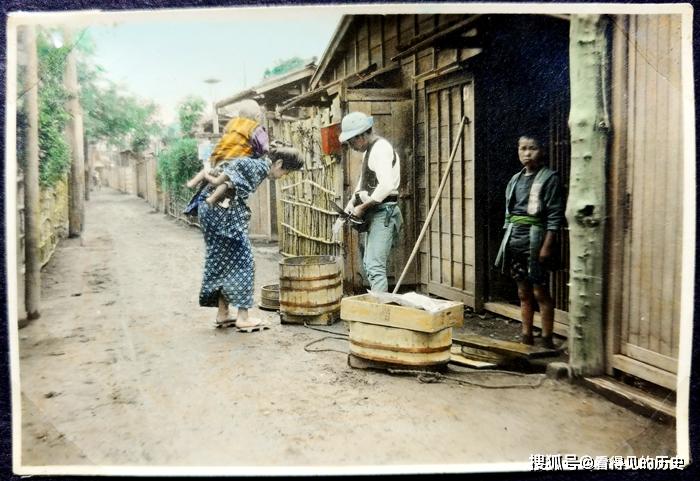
(122, 121)
(189, 112)
(110, 114)
(54, 152)
(177, 164)
(284, 66)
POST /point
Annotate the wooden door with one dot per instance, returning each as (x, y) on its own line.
(646, 199)
(452, 246)
(392, 110)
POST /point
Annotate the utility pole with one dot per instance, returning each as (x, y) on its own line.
(32, 215)
(214, 115)
(88, 168)
(74, 132)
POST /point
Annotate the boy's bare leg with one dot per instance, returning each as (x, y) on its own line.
(196, 179)
(527, 310)
(218, 193)
(546, 303)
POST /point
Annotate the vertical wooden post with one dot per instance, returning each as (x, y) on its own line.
(32, 213)
(88, 168)
(74, 133)
(215, 120)
(585, 212)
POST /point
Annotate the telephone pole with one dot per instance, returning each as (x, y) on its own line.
(32, 278)
(74, 132)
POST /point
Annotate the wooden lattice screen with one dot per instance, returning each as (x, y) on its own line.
(304, 214)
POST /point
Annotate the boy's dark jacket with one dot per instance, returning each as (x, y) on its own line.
(546, 204)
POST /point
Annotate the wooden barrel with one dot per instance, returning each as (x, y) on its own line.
(270, 297)
(311, 288)
(400, 346)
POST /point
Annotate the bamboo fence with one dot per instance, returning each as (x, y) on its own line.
(304, 214)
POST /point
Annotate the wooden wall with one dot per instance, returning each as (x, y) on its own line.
(646, 198)
(377, 39)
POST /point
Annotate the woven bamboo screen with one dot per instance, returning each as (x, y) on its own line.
(304, 214)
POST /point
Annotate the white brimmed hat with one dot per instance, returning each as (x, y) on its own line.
(354, 124)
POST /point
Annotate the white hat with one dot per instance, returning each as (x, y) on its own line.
(354, 124)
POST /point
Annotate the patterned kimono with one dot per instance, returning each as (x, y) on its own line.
(229, 267)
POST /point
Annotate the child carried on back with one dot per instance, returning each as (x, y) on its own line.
(244, 136)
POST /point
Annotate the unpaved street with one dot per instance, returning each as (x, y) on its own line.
(125, 369)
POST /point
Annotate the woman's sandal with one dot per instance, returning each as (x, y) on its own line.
(260, 326)
(225, 323)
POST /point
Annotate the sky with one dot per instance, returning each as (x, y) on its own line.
(167, 60)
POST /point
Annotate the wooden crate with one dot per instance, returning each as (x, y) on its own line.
(398, 335)
(368, 310)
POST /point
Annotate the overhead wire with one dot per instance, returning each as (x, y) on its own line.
(68, 52)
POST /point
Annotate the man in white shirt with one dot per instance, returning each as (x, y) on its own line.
(376, 196)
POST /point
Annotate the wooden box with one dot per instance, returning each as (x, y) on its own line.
(368, 310)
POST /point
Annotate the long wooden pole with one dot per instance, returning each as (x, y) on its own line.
(32, 212)
(585, 211)
(76, 212)
(436, 200)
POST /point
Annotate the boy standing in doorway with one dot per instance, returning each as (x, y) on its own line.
(534, 215)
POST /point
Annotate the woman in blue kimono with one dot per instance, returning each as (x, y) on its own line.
(229, 267)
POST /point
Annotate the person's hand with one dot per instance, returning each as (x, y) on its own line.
(337, 228)
(545, 253)
(359, 211)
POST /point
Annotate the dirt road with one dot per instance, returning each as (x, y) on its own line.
(125, 369)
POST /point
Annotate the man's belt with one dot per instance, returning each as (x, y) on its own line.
(390, 198)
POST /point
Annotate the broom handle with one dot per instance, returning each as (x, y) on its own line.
(436, 200)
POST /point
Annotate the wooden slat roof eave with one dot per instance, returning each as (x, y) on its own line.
(427, 42)
(312, 97)
(329, 89)
(286, 79)
(245, 94)
(258, 91)
(327, 56)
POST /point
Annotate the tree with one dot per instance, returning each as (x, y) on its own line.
(54, 154)
(111, 116)
(119, 120)
(178, 162)
(189, 112)
(284, 66)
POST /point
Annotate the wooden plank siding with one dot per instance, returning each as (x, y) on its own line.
(644, 268)
(451, 244)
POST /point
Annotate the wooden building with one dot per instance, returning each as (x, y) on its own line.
(645, 198)
(419, 75)
(269, 94)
